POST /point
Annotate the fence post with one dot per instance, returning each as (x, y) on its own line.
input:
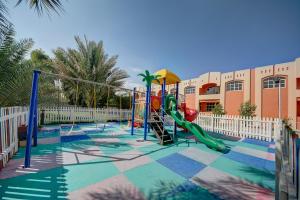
(212, 123)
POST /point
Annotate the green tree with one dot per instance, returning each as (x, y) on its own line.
(218, 110)
(14, 69)
(39, 5)
(44, 5)
(4, 23)
(90, 62)
(247, 109)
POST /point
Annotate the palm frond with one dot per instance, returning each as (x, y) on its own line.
(44, 5)
(88, 61)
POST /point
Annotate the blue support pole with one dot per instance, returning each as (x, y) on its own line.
(146, 113)
(176, 96)
(32, 108)
(133, 111)
(149, 100)
(163, 89)
(35, 123)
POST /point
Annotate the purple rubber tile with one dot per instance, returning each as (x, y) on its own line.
(229, 187)
(182, 165)
(199, 155)
(116, 187)
(131, 159)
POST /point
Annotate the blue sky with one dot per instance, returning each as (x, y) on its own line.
(189, 37)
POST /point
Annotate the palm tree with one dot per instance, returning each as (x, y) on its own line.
(3, 20)
(90, 62)
(14, 70)
(41, 5)
(148, 78)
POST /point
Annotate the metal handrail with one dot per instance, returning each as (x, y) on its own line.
(162, 120)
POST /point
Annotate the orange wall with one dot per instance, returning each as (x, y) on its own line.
(252, 87)
(233, 101)
(190, 101)
(269, 107)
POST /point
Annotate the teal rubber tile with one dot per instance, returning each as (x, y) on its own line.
(153, 178)
(49, 184)
(82, 175)
(157, 151)
(262, 178)
(40, 150)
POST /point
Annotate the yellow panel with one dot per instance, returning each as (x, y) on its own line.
(170, 77)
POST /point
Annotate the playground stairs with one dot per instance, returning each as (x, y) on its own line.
(156, 124)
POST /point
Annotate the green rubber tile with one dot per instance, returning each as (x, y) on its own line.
(204, 148)
(82, 175)
(152, 177)
(77, 146)
(48, 134)
(247, 145)
(41, 149)
(262, 178)
(114, 148)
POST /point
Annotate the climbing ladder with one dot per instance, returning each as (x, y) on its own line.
(156, 123)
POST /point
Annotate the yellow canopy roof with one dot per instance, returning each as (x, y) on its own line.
(170, 77)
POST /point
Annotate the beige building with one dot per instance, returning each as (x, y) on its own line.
(274, 89)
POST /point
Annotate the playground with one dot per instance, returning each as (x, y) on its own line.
(115, 165)
(155, 152)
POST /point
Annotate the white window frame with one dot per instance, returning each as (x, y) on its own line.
(234, 86)
(190, 90)
(269, 83)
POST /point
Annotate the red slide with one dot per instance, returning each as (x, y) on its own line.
(189, 114)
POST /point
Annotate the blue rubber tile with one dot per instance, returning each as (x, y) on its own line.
(189, 190)
(72, 138)
(182, 165)
(252, 161)
(271, 150)
(257, 142)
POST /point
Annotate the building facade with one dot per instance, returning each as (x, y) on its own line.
(274, 89)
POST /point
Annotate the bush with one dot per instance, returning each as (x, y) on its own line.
(247, 109)
(218, 110)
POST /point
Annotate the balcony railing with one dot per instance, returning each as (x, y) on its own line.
(214, 90)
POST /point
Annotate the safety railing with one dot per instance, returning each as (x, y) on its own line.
(10, 119)
(245, 127)
(81, 114)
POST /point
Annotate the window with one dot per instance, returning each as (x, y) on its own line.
(189, 90)
(234, 86)
(273, 82)
(213, 90)
(210, 106)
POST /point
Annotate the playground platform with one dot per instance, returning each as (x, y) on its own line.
(89, 163)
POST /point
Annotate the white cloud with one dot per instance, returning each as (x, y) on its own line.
(136, 69)
(133, 82)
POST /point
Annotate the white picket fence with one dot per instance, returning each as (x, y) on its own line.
(244, 127)
(80, 114)
(13, 117)
(10, 119)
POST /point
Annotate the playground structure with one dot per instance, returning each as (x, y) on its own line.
(148, 111)
(85, 153)
(157, 107)
(73, 114)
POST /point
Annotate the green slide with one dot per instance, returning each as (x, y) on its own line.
(201, 135)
